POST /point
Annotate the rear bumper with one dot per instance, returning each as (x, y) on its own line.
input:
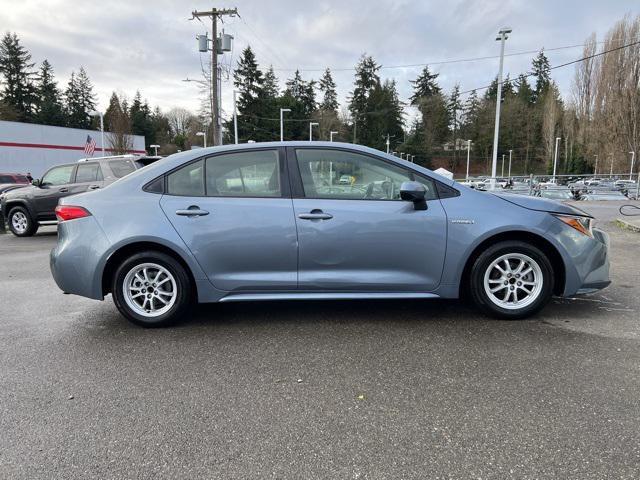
(74, 261)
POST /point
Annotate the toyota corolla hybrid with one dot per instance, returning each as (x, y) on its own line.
(274, 221)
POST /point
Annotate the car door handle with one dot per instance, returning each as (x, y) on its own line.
(63, 189)
(94, 187)
(192, 211)
(315, 215)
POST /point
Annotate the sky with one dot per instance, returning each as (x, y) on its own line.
(150, 45)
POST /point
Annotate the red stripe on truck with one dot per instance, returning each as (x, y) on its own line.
(58, 147)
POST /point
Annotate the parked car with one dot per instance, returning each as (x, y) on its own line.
(11, 181)
(247, 222)
(558, 193)
(603, 195)
(345, 180)
(25, 208)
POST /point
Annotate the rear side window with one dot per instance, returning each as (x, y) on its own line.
(88, 172)
(122, 168)
(246, 174)
(187, 181)
(58, 175)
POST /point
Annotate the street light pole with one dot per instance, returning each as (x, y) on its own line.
(510, 152)
(633, 157)
(204, 137)
(235, 117)
(331, 133)
(502, 37)
(611, 171)
(555, 161)
(468, 155)
(311, 125)
(282, 110)
(502, 173)
(155, 148)
(595, 168)
(387, 142)
(401, 155)
(99, 114)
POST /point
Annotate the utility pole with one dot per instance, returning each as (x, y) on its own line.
(214, 13)
(555, 161)
(502, 37)
(468, 155)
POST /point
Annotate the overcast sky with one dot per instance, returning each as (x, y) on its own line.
(150, 45)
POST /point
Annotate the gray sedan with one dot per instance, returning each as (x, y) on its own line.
(272, 221)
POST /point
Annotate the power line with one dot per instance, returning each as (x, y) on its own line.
(439, 62)
(559, 66)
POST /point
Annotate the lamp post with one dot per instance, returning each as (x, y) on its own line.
(633, 157)
(502, 37)
(204, 137)
(155, 147)
(311, 125)
(401, 155)
(235, 117)
(502, 173)
(611, 171)
(595, 168)
(468, 155)
(509, 174)
(282, 110)
(99, 114)
(555, 161)
(331, 134)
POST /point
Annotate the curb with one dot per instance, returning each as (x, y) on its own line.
(627, 225)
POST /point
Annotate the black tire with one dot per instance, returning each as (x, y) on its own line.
(183, 290)
(31, 225)
(491, 305)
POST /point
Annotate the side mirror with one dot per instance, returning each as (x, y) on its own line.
(414, 192)
(36, 182)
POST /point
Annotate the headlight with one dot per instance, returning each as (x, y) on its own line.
(581, 224)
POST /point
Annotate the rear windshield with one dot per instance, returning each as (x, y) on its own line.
(122, 168)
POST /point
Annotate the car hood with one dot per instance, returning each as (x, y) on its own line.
(541, 204)
(19, 192)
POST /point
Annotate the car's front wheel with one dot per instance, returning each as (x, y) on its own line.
(21, 223)
(151, 289)
(511, 280)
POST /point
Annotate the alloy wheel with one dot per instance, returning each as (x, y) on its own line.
(513, 281)
(150, 289)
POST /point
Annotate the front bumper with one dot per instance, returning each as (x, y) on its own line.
(593, 266)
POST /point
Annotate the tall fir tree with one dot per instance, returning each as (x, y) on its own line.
(49, 109)
(270, 85)
(249, 81)
(19, 92)
(426, 85)
(79, 100)
(366, 82)
(327, 86)
(541, 70)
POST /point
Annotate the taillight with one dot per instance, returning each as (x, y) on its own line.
(70, 212)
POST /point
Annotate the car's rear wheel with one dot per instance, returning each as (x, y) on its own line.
(511, 280)
(151, 289)
(21, 223)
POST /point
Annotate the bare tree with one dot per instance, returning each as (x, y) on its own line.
(179, 121)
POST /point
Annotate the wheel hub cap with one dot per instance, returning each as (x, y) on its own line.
(513, 281)
(19, 222)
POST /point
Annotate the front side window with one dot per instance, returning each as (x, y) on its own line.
(244, 174)
(337, 174)
(58, 175)
(187, 181)
(88, 172)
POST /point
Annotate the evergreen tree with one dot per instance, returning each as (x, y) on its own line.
(80, 100)
(49, 109)
(327, 86)
(454, 107)
(249, 81)
(366, 82)
(541, 70)
(118, 124)
(141, 123)
(270, 86)
(523, 89)
(18, 93)
(425, 85)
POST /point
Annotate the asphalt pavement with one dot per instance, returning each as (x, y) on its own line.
(362, 390)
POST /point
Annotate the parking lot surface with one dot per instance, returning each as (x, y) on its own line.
(403, 389)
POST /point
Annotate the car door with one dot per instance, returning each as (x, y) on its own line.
(56, 183)
(88, 177)
(234, 212)
(360, 236)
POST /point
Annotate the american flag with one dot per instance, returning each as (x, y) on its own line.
(90, 146)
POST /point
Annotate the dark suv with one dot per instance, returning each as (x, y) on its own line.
(26, 208)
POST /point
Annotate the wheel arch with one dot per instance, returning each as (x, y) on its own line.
(550, 250)
(129, 249)
(19, 202)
